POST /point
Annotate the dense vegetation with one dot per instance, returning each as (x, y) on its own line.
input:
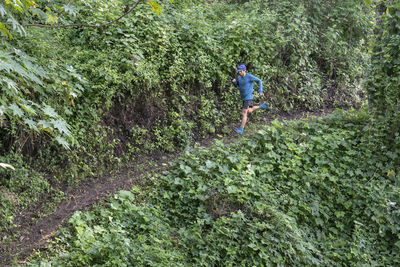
(77, 101)
(301, 193)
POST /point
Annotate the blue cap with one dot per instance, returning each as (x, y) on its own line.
(241, 67)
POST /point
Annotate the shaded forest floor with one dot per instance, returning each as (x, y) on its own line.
(35, 232)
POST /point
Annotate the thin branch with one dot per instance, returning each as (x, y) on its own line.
(84, 25)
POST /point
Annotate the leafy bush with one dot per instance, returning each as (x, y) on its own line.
(384, 78)
(150, 68)
(145, 68)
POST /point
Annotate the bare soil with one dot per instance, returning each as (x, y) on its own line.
(35, 233)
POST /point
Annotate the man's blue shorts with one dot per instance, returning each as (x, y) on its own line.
(247, 104)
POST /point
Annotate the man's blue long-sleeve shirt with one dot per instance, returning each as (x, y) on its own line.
(245, 85)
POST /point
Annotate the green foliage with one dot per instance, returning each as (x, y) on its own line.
(29, 98)
(20, 188)
(181, 62)
(155, 82)
(384, 78)
(36, 87)
(383, 81)
(7, 10)
(299, 193)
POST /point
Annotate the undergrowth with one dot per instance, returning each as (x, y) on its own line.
(303, 193)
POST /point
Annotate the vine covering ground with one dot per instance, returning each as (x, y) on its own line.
(34, 232)
(303, 193)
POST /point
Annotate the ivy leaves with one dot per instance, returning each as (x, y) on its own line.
(384, 80)
(297, 193)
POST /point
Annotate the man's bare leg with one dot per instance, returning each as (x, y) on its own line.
(244, 116)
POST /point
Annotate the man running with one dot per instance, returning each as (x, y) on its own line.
(245, 83)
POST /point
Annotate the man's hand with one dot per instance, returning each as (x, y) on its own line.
(261, 94)
(234, 80)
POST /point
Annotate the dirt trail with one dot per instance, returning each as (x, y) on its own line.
(34, 236)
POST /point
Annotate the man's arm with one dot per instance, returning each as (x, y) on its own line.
(257, 80)
(235, 82)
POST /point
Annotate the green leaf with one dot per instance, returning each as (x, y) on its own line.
(49, 111)
(179, 181)
(123, 194)
(70, 10)
(16, 110)
(32, 124)
(10, 85)
(232, 189)
(210, 164)
(29, 109)
(62, 142)
(155, 7)
(61, 126)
